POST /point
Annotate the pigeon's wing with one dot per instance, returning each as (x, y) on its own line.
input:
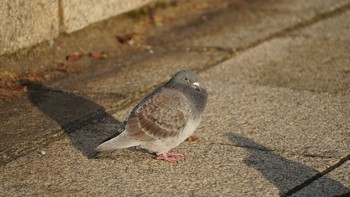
(161, 115)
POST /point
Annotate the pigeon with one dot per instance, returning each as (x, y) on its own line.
(162, 120)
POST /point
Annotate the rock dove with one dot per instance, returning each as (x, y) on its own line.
(163, 119)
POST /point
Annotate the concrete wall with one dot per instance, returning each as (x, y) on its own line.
(25, 23)
(79, 13)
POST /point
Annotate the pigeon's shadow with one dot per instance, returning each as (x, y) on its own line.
(288, 176)
(72, 113)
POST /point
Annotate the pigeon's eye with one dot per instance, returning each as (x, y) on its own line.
(185, 79)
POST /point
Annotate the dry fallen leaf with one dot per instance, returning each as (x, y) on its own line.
(66, 68)
(124, 38)
(97, 55)
(7, 93)
(73, 58)
(238, 4)
(193, 138)
(202, 6)
(130, 38)
(35, 77)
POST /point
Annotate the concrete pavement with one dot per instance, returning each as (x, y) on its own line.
(277, 121)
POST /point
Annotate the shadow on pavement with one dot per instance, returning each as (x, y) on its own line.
(286, 175)
(69, 111)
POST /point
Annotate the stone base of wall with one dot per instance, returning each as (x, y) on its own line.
(26, 23)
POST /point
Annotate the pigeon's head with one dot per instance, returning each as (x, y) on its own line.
(186, 78)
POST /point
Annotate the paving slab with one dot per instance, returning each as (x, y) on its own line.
(286, 94)
(49, 110)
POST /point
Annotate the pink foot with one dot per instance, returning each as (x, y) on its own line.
(171, 157)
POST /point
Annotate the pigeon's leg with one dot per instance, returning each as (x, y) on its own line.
(172, 157)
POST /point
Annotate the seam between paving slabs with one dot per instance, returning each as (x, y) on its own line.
(317, 176)
(337, 10)
(11, 154)
(307, 182)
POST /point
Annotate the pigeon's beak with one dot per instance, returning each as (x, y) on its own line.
(196, 85)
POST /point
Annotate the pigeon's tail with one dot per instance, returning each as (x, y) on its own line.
(110, 146)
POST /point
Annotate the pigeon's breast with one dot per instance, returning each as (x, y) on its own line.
(166, 144)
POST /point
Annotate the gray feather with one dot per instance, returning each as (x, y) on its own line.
(110, 146)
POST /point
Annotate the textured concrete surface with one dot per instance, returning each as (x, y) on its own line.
(277, 121)
(25, 23)
(243, 21)
(78, 14)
